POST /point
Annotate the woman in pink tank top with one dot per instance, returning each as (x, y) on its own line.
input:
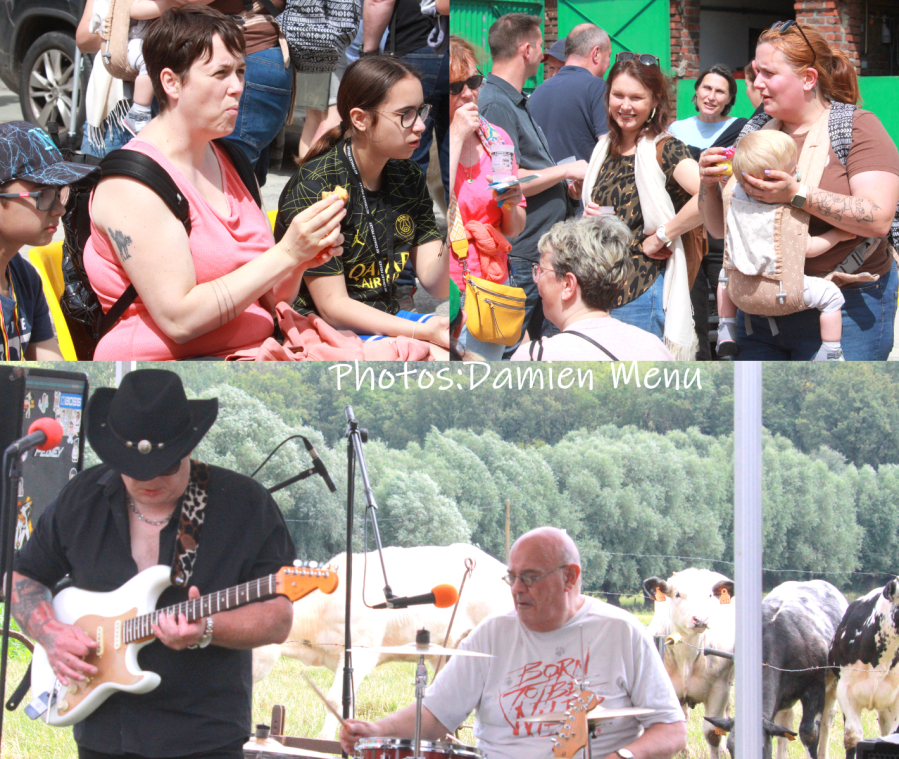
(212, 292)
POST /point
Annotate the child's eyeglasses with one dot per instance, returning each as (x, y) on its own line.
(781, 27)
(44, 199)
(645, 58)
(473, 82)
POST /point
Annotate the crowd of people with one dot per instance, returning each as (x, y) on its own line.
(774, 235)
(801, 228)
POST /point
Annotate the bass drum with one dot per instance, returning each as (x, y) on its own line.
(400, 748)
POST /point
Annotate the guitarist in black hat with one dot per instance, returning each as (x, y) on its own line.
(149, 504)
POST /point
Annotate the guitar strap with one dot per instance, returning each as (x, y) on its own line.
(193, 512)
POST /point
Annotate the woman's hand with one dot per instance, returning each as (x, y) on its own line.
(779, 187)
(575, 189)
(434, 330)
(593, 210)
(314, 235)
(465, 122)
(513, 194)
(653, 247)
(710, 173)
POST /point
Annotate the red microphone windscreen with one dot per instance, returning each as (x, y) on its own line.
(51, 428)
(444, 596)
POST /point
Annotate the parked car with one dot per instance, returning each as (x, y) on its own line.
(37, 56)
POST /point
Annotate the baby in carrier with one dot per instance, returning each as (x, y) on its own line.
(750, 243)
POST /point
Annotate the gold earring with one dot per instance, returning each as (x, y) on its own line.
(652, 115)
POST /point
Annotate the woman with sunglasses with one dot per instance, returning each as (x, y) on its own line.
(805, 86)
(472, 139)
(648, 179)
(390, 216)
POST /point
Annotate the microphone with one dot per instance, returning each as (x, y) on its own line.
(319, 467)
(442, 596)
(44, 434)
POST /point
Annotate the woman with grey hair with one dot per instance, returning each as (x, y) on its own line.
(584, 264)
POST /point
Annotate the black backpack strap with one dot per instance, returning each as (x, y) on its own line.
(243, 166)
(538, 344)
(144, 169)
(590, 340)
(118, 308)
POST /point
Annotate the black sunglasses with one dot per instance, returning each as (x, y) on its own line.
(781, 27)
(473, 82)
(645, 58)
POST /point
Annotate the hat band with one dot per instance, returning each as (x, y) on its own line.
(142, 446)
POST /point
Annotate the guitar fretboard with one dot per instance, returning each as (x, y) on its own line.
(231, 598)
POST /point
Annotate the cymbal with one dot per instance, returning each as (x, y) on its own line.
(411, 649)
(596, 715)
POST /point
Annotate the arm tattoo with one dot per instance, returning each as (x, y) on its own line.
(121, 241)
(834, 206)
(31, 606)
(224, 300)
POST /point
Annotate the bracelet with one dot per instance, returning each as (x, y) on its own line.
(366, 53)
(207, 635)
(414, 325)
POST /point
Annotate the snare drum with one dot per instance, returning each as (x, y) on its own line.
(399, 748)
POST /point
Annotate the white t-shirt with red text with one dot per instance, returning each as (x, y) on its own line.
(535, 673)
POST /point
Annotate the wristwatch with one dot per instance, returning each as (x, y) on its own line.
(660, 233)
(207, 636)
(625, 753)
(800, 197)
(366, 53)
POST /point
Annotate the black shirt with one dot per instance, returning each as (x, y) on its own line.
(204, 699)
(403, 216)
(410, 33)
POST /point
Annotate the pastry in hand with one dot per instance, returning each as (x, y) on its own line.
(339, 191)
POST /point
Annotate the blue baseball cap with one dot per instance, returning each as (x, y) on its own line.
(557, 51)
(27, 152)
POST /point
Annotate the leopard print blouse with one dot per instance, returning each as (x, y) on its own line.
(617, 187)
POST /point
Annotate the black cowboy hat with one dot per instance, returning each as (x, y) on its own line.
(148, 424)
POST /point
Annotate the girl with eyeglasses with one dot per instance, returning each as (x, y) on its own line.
(390, 216)
(471, 140)
(649, 179)
(807, 88)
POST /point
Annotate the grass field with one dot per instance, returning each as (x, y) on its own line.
(388, 688)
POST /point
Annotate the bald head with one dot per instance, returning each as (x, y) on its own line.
(552, 543)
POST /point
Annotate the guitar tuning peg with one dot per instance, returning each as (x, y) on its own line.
(299, 563)
(312, 564)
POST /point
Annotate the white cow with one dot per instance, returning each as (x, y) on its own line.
(317, 636)
(691, 606)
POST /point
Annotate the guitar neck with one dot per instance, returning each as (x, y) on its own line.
(141, 627)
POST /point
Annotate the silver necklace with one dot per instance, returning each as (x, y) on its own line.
(154, 522)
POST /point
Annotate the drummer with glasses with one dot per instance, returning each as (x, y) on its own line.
(34, 188)
(555, 642)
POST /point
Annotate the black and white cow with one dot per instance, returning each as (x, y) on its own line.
(798, 623)
(865, 655)
(693, 606)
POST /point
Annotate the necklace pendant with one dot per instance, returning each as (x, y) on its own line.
(470, 180)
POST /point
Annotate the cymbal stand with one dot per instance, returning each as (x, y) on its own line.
(422, 638)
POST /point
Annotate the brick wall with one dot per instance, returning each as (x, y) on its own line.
(551, 23)
(685, 38)
(844, 25)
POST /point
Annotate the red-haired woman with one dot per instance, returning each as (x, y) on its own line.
(806, 85)
(472, 139)
(390, 217)
(652, 190)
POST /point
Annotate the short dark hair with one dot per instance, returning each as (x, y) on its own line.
(723, 71)
(183, 36)
(508, 33)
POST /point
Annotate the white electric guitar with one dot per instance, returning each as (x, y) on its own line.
(121, 623)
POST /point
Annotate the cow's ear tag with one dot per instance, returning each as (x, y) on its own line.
(724, 596)
(790, 737)
(660, 596)
(720, 731)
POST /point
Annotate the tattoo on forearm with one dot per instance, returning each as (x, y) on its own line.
(31, 606)
(838, 207)
(121, 241)
(224, 300)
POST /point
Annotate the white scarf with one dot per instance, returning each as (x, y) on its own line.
(657, 208)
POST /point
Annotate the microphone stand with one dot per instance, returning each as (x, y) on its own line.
(12, 475)
(356, 436)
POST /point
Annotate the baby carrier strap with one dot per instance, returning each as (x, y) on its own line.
(114, 49)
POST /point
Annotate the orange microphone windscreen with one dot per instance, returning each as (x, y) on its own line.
(444, 596)
(51, 428)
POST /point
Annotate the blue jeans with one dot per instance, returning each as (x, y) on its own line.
(868, 316)
(114, 137)
(434, 70)
(647, 311)
(264, 105)
(534, 322)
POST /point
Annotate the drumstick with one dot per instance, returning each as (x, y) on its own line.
(328, 705)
